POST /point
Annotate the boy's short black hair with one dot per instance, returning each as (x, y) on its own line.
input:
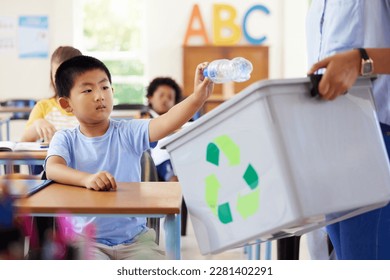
(74, 67)
(166, 81)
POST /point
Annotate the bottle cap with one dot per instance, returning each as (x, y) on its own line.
(206, 73)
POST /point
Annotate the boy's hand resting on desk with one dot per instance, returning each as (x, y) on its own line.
(101, 181)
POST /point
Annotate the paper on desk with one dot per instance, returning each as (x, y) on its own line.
(8, 146)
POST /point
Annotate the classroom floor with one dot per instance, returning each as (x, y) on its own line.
(190, 250)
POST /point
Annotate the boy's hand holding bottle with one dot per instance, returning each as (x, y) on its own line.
(203, 87)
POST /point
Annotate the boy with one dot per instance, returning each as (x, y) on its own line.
(101, 151)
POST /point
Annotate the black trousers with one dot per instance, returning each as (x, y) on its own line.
(288, 248)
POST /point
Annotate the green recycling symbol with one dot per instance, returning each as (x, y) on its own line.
(248, 204)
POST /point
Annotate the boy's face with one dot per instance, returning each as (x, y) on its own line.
(163, 99)
(91, 98)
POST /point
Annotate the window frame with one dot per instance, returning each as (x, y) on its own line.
(139, 54)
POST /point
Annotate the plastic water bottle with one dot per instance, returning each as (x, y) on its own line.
(223, 70)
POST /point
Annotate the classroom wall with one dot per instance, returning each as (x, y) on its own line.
(284, 27)
(29, 77)
(166, 25)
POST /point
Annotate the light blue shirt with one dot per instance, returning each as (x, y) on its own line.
(339, 25)
(118, 151)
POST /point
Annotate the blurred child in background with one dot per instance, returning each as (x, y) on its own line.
(47, 115)
(162, 93)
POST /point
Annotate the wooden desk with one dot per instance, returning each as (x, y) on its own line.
(20, 158)
(150, 199)
(12, 109)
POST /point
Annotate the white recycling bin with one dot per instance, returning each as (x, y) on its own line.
(273, 162)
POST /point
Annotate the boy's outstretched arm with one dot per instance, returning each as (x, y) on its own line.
(183, 111)
(58, 171)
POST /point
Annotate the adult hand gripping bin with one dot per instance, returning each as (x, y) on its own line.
(273, 161)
